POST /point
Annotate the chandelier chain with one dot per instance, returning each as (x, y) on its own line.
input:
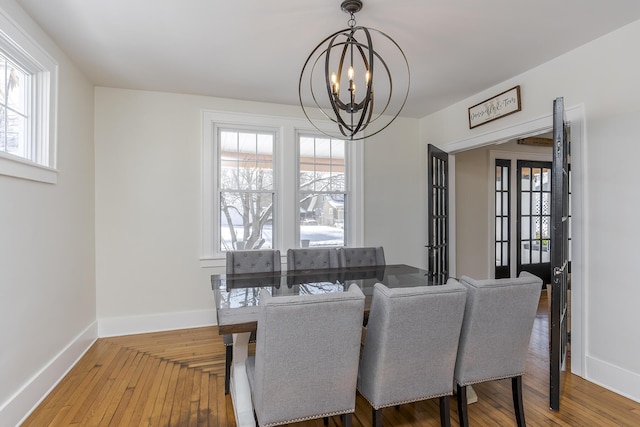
(352, 21)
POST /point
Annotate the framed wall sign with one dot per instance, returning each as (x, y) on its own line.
(508, 102)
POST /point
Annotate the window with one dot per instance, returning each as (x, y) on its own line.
(535, 212)
(14, 120)
(246, 193)
(275, 182)
(322, 191)
(28, 86)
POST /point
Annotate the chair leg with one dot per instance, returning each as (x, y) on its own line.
(376, 415)
(445, 411)
(227, 367)
(325, 420)
(518, 407)
(463, 416)
(346, 420)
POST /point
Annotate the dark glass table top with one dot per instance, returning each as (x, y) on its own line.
(237, 295)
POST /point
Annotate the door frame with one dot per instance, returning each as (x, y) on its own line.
(575, 118)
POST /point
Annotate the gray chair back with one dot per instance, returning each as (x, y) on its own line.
(306, 368)
(497, 326)
(361, 257)
(411, 343)
(312, 258)
(258, 261)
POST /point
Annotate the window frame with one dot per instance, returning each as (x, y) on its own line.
(285, 209)
(20, 48)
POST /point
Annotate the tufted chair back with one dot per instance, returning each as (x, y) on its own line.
(259, 261)
(312, 258)
(361, 257)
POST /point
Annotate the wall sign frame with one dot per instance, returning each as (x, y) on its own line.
(501, 105)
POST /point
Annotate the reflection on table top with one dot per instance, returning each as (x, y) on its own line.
(237, 295)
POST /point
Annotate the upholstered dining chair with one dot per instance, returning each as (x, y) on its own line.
(411, 345)
(495, 334)
(306, 369)
(361, 257)
(312, 258)
(238, 262)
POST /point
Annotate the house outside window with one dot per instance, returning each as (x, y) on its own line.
(322, 191)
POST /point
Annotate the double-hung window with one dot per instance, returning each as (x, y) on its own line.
(28, 82)
(322, 190)
(274, 182)
(246, 193)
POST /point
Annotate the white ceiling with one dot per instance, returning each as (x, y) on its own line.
(255, 49)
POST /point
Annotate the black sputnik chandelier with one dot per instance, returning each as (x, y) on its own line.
(349, 82)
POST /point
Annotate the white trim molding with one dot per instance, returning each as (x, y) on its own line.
(128, 325)
(15, 410)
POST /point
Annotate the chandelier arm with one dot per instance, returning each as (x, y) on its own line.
(334, 99)
(313, 96)
(366, 104)
(313, 93)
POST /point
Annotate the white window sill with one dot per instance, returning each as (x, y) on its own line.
(213, 262)
(24, 169)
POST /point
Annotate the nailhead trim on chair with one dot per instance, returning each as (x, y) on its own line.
(492, 379)
(403, 402)
(296, 420)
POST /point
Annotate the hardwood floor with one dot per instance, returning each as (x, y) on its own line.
(176, 378)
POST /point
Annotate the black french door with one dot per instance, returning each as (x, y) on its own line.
(502, 213)
(559, 255)
(438, 214)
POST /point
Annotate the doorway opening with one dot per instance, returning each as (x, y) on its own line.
(476, 230)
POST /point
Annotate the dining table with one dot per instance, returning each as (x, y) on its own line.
(237, 297)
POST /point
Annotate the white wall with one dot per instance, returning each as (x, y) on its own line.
(148, 205)
(47, 280)
(395, 185)
(603, 76)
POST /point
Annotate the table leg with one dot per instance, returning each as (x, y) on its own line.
(472, 396)
(239, 382)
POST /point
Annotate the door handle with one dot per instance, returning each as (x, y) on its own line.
(557, 271)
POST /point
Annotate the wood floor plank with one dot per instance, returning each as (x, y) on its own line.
(156, 386)
(176, 378)
(164, 402)
(141, 388)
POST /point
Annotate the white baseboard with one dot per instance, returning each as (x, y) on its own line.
(614, 378)
(21, 404)
(115, 326)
